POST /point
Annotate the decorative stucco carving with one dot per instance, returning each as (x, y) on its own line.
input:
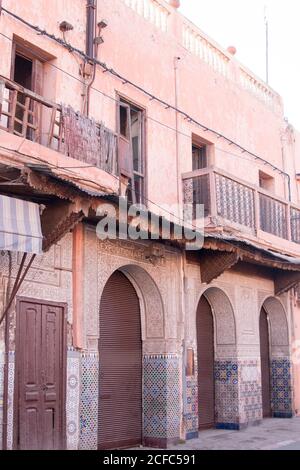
(278, 322)
(154, 317)
(247, 309)
(228, 289)
(128, 249)
(224, 316)
(128, 257)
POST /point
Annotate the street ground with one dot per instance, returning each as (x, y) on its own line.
(272, 434)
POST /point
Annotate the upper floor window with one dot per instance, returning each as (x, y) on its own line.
(28, 71)
(131, 150)
(23, 71)
(266, 181)
(199, 153)
(202, 153)
(27, 66)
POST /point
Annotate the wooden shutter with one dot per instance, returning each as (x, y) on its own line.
(205, 346)
(120, 355)
(38, 87)
(265, 363)
(125, 143)
(38, 77)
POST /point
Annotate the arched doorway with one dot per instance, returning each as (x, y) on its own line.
(216, 371)
(120, 354)
(205, 359)
(276, 367)
(265, 363)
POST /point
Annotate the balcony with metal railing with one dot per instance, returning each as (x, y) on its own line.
(229, 202)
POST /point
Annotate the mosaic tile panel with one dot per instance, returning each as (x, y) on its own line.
(173, 397)
(237, 396)
(191, 417)
(250, 391)
(161, 397)
(10, 408)
(281, 385)
(73, 399)
(191, 409)
(89, 401)
(227, 394)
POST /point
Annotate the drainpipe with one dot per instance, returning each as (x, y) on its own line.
(91, 22)
(289, 195)
(90, 28)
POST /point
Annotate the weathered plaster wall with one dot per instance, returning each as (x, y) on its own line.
(144, 54)
(218, 101)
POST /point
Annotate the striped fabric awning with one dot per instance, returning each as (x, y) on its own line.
(20, 226)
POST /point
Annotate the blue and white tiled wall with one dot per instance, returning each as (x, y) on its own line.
(281, 387)
(227, 394)
(191, 415)
(89, 401)
(73, 399)
(161, 399)
(237, 396)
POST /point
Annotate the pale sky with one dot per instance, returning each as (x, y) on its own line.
(241, 23)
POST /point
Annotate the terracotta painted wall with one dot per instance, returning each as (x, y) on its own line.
(145, 54)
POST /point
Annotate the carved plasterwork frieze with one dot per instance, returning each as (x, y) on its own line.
(247, 306)
(224, 316)
(146, 278)
(278, 322)
(128, 249)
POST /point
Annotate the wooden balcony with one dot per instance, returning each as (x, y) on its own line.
(229, 202)
(28, 115)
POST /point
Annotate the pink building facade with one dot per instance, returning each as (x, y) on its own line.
(163, 114)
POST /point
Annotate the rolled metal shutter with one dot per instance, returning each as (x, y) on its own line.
(120, 357)
(265, 363)
(205, 355)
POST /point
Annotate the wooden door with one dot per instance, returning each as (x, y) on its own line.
(205, 348)
(40, 374)
(120, 356)
(265, 363)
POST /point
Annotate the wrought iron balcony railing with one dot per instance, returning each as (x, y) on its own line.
(28, 115)
(239, 205)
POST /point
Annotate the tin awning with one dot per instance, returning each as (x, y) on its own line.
(20, 225)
